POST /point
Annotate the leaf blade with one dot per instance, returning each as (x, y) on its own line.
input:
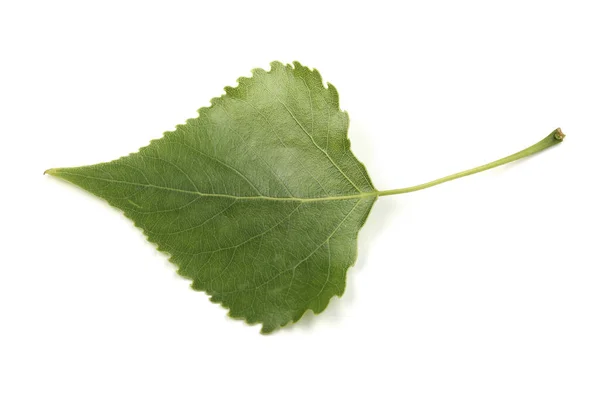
(258, 200)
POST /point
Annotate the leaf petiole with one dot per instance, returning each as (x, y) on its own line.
(552, 139)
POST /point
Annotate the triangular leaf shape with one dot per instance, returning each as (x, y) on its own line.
(258, 200)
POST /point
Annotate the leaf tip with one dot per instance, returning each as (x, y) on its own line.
(51, 171)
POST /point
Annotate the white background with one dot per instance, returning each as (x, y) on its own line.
(483, 288)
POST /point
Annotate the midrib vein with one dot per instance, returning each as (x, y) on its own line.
(58, 172)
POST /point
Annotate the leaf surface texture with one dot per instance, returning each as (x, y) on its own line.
(258, 200)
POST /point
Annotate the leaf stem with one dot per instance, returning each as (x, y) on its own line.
(552, 139)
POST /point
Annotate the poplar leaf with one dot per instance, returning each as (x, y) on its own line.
(258, 200)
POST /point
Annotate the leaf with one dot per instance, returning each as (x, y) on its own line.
(258, 200)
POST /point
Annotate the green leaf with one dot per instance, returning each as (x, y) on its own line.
(258, 201)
